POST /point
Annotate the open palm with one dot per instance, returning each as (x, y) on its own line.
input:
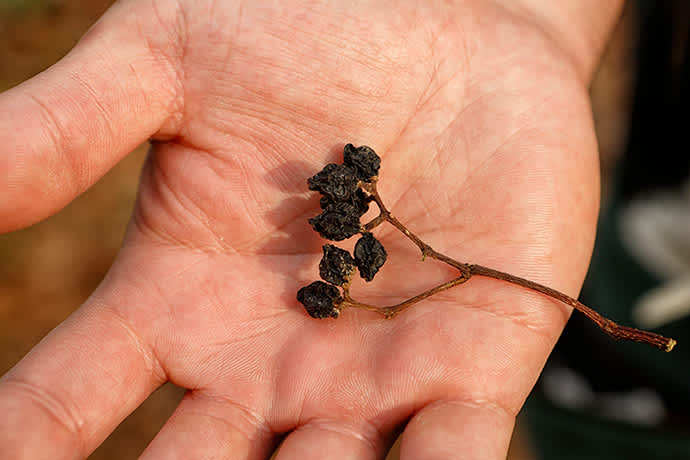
(488, 154)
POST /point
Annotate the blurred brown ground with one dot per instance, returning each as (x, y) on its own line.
(48, 270)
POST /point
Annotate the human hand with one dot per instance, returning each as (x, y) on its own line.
(482, 120)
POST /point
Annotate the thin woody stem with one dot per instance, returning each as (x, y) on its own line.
(393, 310)
(427, 251)
(610, 327)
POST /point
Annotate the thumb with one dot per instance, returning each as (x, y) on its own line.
(66, 127)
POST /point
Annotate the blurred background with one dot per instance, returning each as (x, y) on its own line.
(48, 270)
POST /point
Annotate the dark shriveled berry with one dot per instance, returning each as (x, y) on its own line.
(321, 300)
(338, 182)
(359, 201)
(363, 160)
(370, 255)
(337, 222)
(336, 266)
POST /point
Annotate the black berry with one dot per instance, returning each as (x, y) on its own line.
(321, 300)
(370, 255)
(337, 222)
(363, 160)
(338, 182)
(336, 266)
(358, 200)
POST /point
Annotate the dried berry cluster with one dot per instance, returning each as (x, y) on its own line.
(343, 203)
(347, 189)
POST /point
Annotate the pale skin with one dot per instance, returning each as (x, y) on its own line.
(481, 115)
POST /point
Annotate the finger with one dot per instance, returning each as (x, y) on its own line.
(63, 129)
(334, 439)
(205, 427)
(75, 387)
(453, 429)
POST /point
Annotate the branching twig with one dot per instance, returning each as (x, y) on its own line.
(468, 270)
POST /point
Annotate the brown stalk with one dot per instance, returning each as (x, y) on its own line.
(466, 270)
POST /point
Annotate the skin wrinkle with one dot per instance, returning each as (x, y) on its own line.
(86, 175)
(428, 217)
(239, 15)
(366, 95)
(144, 96)
(262, 122)
(174, 60)
(432, 398)
(366, 63)
(490, 307)
(465, 56)
(261, 241)
(179, 202)
(248, 172)
(260, 326)
(213, 7)
(116, 376)
(275, 121)
(154, 361)
(263, 326)
(405, 127)
(223, 245)
(396, 201)
(426, 98)
(444, 85)
(287, 176)
(406, 406)
(229, 50)
(148, 354)
(495, 407)
(520, 319)
(249, 126)
(527, 17)
(178, 270)
(156, 236)
(491, 156)
(352, 50)
(364, 432)
(168, 77)
(58, 138)
(466, 106)
(304, 395)
(254, 426)
(231, 428)
(434, 70)
(227, 159)
(54, 407)
(463, 111)
(164, 297)
(211, 223)
(540, 237)
(273, 169)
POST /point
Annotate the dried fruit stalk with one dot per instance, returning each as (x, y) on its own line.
(343, 206)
